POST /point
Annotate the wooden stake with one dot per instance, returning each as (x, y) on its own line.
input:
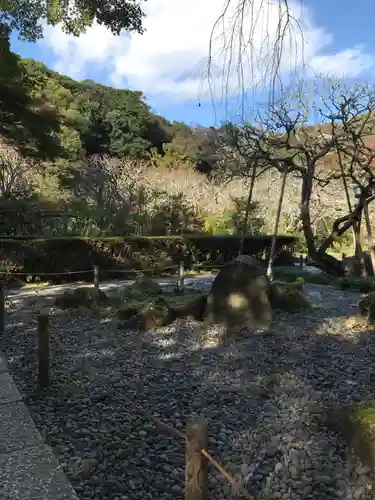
(196, 462)
(276, 226)
(301, 259)
(96, 277)
(181, 275)
(2, 308)
(43, 351)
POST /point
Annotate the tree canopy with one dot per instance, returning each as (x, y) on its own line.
(27, 16)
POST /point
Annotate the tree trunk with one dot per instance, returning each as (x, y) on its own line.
(307, 184)
(358, 253)
(326, 262)
(340, 226)
(276, 227)
(369, 235)
(247, 213)
(357, 247)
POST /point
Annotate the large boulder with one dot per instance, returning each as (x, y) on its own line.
(247, 259)
(152, 315)
(288, 297)
(367, 309)
(195, 308)
(239, 296)
(84, 296)
(144, 286)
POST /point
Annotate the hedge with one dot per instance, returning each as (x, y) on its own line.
(61, 255)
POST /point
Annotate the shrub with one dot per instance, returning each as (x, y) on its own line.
(218, 224)
(363, 285)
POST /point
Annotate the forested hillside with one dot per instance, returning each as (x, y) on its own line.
(88, 118)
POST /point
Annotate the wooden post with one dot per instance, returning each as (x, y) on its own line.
(301, 260)
(43, 350)
(276, 227)
(196, 463)
(2, 308)
(96, 277)
(181, 276)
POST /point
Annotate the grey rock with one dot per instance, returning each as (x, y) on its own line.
(326, 480)
(359, 493)
(278, 467)
(361, 471)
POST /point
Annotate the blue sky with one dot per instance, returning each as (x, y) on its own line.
(169, 62)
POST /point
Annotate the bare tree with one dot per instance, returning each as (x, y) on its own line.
(283, 139)
(14, 170)
(353, 158)
(234, 164)
(18, 207)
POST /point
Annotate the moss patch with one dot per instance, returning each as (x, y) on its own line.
(40, 284)
(363, 285)
(288, 297)
(357, 426)
(131, 303)
(153, 314)
(81, 297)
(143, 286)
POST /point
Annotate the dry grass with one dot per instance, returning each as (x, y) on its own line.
(204, 197)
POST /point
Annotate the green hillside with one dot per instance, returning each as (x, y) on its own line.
(49, 115)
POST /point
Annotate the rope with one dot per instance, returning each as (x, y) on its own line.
(62, 273)
(210, 266)
(156, 421)
(139, 270)
(7, 273)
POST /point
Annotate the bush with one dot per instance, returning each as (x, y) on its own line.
(218, 224)
(355, 423)
(363, 285)
(64, 255)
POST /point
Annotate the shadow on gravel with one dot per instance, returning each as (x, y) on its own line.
(260, 396)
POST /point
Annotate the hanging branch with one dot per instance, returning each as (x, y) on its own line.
(240, 62)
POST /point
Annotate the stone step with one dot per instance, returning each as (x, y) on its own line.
(28, 468)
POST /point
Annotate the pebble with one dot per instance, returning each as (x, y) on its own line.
(264, 434)
(278, 467)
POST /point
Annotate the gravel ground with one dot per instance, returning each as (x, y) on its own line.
(261, 397)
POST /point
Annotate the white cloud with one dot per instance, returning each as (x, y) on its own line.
(170, 58)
